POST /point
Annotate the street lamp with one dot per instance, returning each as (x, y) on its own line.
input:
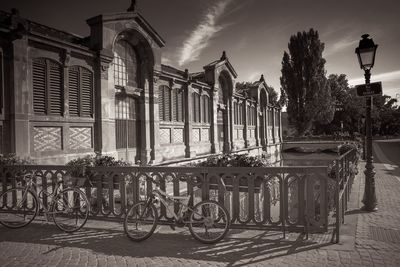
(366, 57)
(363, 136)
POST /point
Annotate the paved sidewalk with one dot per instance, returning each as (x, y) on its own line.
(368, 239)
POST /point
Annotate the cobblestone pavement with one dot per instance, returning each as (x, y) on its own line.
(368, 239)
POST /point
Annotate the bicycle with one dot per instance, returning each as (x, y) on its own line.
(208, 220)
(69, 207)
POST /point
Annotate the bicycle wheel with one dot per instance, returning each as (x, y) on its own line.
(16, 208)
(209, 222)
(70, 210)
(141, 221)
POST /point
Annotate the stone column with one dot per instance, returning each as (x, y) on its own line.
(246, 123)
(257, 124)
(230, 124)
(145, 133)
(155, 117)
(20, 95)
(104, 98)
(189, 150)
(214, 122)
(273, 125)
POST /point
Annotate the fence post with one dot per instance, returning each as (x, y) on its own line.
(337, 200)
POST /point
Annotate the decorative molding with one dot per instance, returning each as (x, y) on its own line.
(195, 135)
(178, 135)
(165, 135)
(80, 138)
(47, 139)
(66, 57)
(221, 106)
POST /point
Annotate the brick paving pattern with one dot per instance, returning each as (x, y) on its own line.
(371, 239)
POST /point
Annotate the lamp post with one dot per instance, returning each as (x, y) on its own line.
(366, 56)
(363, 137)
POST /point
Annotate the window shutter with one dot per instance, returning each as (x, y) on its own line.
(86, 97)
(175, 105)
(73, 83)
(55, 88)
(161, 103)
(180, 106)
(167, 103)
(39, 86)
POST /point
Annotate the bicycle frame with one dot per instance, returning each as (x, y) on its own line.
(30, 184)
(164, 197)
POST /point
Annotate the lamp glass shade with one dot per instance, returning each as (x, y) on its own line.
(366, 57)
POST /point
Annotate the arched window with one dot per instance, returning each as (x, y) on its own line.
(125, 64)
(47, 83)
(80, 82)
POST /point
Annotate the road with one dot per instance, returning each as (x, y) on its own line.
(387, 152)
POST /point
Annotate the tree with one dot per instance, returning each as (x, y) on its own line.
(348, 107)
(304, 83)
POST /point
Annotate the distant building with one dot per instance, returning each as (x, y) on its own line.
(63, 96)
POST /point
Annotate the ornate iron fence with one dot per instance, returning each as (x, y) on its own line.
(344, 171)
(286, 198)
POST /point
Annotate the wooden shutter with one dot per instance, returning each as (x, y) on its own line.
(167, 104)
(175, 104)
(86, 97)
(179, 105)
(39, 86)
(161, 102)
(73, 83)
(55, 88)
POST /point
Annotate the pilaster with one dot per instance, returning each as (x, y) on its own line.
(20, 95)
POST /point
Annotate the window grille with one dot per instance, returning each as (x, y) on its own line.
(126, 130)
(125, 64)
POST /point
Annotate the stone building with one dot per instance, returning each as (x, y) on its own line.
(63, 96)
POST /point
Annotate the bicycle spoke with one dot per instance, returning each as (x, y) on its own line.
(140, 221)
(19, 207)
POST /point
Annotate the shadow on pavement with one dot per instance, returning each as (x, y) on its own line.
(246, 247)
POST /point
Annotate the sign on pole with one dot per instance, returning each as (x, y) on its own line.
(370, 89)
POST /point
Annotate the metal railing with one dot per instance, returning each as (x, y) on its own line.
(286, 198)
(344, 171)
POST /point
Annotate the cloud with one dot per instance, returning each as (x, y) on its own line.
(339, 46)
(255, 76)
(200, 37)
(383, 77)
(166, 61)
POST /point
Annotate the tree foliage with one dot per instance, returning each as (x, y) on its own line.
(304, 83)
(350, 109)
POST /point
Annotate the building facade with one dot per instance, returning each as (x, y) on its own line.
(63, 96)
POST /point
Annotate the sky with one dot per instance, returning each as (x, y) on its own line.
(254, 33)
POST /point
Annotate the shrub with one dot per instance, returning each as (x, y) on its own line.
(234, 160)
(12, 159)
(80, 164)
